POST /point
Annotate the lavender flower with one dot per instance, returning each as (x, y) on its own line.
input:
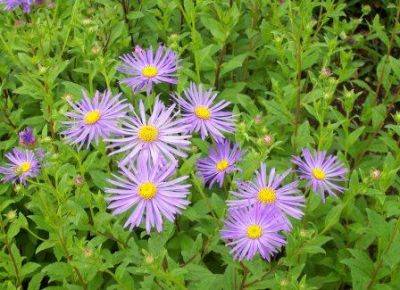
(146, 68)
(14, 4)
(93, 119)
(221, 160)
(253, 230)
(23, 165)
(149, 190)
(155, 136)
(26, 137)
(322, 172)
(202, 115)
(266, 191)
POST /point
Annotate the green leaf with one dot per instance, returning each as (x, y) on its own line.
(233, 63)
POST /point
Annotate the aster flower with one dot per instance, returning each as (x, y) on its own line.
(26, 137)
(156, 136)
(267, 191)
(221, 160)
(94, 119)
(203, 115)
(253, 230)
(22, 165)
(322, 172)
(146, 68)
(150, 192)
(14, 4)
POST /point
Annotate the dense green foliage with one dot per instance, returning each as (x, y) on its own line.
(322, 74)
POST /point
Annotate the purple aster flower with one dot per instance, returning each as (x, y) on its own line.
(155, 136)
(94, 119)
(267, 191)
(202, 115)
(322, 171)
(23, 165)
(253, 230)
(145, 68)
(14, 4)
(221, 160)
(148, 190)
(26, 137)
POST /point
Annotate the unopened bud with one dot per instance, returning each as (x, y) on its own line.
(11, 214)
(42, 69)
(396, 117)
(195, 149)
(46, 139)
(67, 97)
(268, 139)
(79, 180)
(257, 119)
(375, 174)
(325, 71)
(366, 9)
(149, 259)
(87, 252)
(86, 21)
(284, 282)
(303, 233)
(96, 49)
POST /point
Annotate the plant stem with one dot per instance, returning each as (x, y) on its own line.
(298, 90)
(68, 256)
(11, 255)
(125, 8)
(380, 260)
(296, 35)
(219, 65)
(245, 273)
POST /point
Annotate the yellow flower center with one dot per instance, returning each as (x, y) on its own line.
(92, 117)
(254, 231)
(24, 167)
(148, 133)
(222, 165)
(147, 190)
(318, 173)
(149, 71)
(202, 112)
(266, 195)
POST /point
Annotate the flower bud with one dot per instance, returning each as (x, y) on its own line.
(375, 174)
(26, 137)
(396, 117)
(11, 214)
(86, 21)
(257, 119)
(87, 252)
(325, 71)
(79, 180)
(268, 139)
(96, 49)
(149, 259)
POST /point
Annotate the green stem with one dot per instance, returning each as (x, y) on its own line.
(380, 260)
(11, 255)
(68, 256)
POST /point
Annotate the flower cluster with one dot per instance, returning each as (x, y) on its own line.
(260, 211)
(150, 143)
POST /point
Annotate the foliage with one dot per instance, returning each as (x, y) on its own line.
(310, 73)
